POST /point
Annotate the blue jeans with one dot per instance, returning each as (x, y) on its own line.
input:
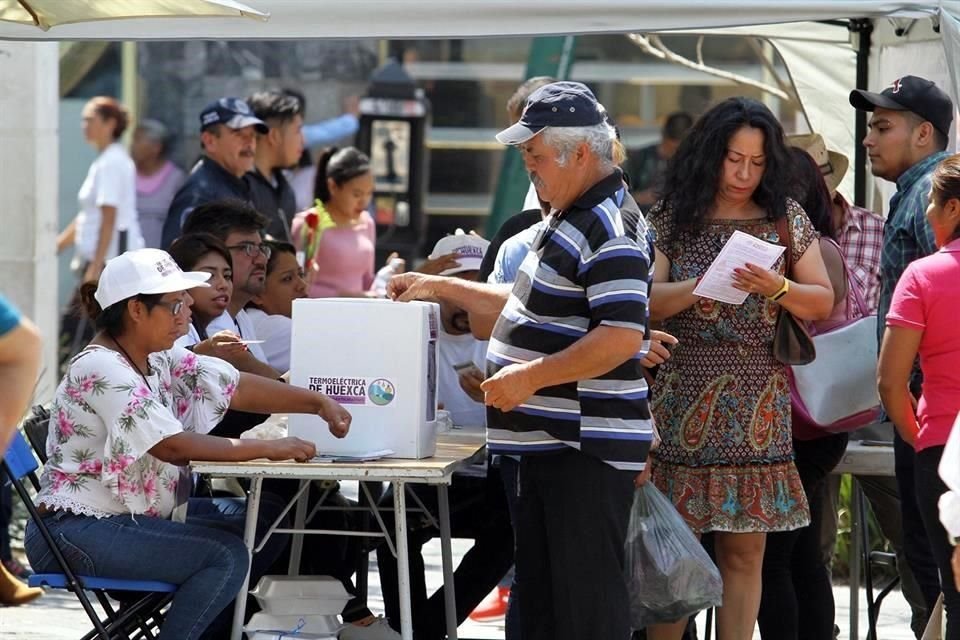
(205, 556)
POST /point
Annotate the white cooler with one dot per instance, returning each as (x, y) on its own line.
(378, 359)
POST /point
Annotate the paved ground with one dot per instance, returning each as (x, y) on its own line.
(57, 616)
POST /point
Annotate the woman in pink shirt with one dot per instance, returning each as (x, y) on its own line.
(923, 320)
(339, 237)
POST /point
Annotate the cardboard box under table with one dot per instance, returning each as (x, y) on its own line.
(378, 359)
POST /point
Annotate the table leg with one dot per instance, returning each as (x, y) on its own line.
(446, 553)
(299, 523)
(854, 560)
(403, 559)
(249, 539)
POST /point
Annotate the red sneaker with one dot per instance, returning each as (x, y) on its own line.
(493, 607)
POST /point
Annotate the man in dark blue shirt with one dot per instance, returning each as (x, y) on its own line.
(228, 133)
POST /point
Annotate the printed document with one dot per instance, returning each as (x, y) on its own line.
(741, 248)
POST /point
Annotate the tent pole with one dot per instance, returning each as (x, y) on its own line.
(863, 28)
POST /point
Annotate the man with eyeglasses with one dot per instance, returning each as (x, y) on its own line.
(228, 134)
(239, 226)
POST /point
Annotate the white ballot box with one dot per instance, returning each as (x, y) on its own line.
(378, 358)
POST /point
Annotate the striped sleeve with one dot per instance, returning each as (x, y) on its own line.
(615, 279)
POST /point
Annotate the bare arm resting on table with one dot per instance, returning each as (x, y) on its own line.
(260, 395)
(897, 355)
(19, 364)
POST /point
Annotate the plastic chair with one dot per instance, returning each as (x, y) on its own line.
(141, 602)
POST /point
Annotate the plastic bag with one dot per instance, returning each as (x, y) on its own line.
(669, 574)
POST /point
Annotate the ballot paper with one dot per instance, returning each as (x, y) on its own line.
(741, 248)
(364, 456)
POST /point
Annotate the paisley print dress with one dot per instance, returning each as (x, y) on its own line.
(722, 402)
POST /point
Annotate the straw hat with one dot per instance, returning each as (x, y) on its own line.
(833, 164)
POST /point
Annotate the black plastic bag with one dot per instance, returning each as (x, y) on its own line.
(669, 574)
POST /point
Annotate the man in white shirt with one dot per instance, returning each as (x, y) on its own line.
(478, 508)
(239, 226)
(460, 356)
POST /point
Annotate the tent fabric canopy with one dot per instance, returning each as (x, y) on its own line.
(301, 19)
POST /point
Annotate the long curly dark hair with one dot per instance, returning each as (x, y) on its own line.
(693, 176)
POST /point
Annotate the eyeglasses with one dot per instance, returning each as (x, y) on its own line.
(252, 249)
(174, 307)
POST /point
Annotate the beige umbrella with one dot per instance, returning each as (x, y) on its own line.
(51, 13)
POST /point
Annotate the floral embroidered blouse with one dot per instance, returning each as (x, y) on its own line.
(106, 417)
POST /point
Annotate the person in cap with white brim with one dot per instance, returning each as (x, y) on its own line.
(130, 412)
(228, 135)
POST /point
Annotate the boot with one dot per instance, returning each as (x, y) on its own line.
(14, 592)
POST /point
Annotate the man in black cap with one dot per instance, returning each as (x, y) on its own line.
(565, 388)
(908, 134)
(228, 131)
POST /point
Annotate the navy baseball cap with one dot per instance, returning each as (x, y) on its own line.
(559, 104)
(232, 112)
(910, 93)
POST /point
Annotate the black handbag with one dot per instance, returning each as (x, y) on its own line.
(791, 342)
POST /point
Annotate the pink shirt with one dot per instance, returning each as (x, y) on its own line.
(927, 299)
(345, 257)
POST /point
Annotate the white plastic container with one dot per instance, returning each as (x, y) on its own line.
(378, 359)
(294, 626)
(299, 595)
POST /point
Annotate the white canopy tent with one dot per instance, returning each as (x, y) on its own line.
(821, 60)
(300, 19)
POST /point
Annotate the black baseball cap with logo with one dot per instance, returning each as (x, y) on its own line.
(559, 104)
(910, 93)
(231, 112)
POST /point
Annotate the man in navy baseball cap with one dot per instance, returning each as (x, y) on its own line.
(228, 135)
(233, 113)
(559, 104)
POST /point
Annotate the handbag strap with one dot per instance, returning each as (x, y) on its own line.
(783, 233)
(852, 286)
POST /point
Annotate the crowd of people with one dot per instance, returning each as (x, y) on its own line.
(578, 336)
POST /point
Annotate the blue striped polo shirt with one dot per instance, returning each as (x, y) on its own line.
(590, 266)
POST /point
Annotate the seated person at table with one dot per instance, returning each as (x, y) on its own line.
(130, 412)
(272, 310)
(240, 227)
(204, 252)
(478, 506)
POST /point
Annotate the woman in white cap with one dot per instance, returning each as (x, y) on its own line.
(132, 409)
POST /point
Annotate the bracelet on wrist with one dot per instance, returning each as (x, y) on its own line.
(782, 291)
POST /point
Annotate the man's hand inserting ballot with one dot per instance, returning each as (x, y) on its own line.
(405, 287)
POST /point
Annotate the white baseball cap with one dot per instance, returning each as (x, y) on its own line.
(144, 271)
(468, 248)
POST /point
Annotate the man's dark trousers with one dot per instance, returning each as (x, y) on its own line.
(571, 528)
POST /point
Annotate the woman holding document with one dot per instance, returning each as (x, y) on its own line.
(722, 403)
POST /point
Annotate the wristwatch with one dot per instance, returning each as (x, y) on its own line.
(782, 291)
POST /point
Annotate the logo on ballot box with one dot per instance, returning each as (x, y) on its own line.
(354, 391)
(381, 392)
